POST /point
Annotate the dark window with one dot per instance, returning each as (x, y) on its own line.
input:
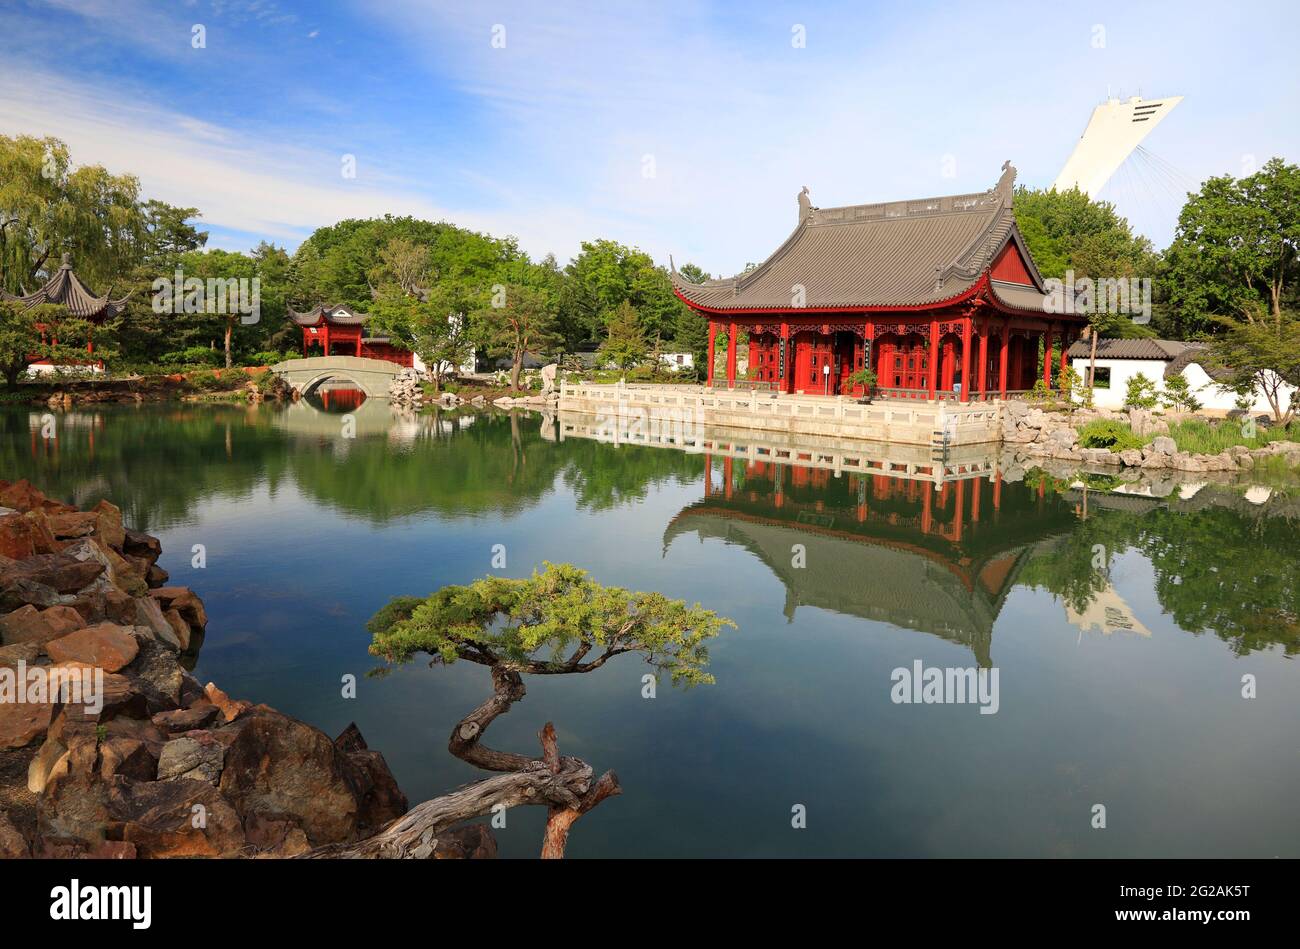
(1101, 378)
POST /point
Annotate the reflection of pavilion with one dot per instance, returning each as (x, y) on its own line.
(936, 558)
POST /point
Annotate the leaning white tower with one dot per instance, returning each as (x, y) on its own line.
(1115, 129)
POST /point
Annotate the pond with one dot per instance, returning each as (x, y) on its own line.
(1143, 647)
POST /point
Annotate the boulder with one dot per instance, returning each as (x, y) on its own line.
(13, 846)
(157, 676)
(109, 529)
(278, 767)
(198, 715)
(21, 723)
(198, 757)
(129, 757)
(22, 496)
(106, 645)
(26, 653)
(178, 818)
(1131, 457)
(1164, 445)
(470, 842)
(72, 524)
(15, 593)
(62, 572)
(25, 535)
(27, 624)
(184, 601)
(149, 615)
(230, 708)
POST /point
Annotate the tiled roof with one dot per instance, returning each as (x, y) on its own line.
(1162, 349)
(905, 253)
(341, 315)
(66, 289)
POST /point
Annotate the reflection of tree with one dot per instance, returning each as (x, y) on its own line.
(1216, 569)
(1234, 575)
(154, 463)
(604, 476)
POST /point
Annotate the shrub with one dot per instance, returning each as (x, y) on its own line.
(192, 356)
(1141, 393)
(267, 357)
(1178, 395)
(1106, 433)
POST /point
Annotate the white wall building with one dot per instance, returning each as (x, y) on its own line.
(1119, 360)
(678, 362)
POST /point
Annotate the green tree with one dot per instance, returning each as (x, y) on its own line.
(514, 319)
(693, 326)
(1234, 272)
(1069, 231)
(605, 274)
(45, 333)
(434, 328)
(48, 208)
(625, 344)
(558, 621)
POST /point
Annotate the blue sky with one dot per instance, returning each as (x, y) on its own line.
(682, 128)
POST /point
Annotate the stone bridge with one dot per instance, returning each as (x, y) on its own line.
(371, 376)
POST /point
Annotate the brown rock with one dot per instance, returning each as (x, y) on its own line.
(156, 576)
(198, 715)
(21, 723)
(13, 846)
(275, 838)
(62, 572)
(278, 767)
(157, 676)
(230, 708)
(140, 544)
(42, 765)
(150, 615)
(19, 652)
(108, 646)
(128, 757)
(181, 818)
(72, 524)
(15, 593)
(22, 496)
(109, 528)
(471, 842)
(27, 624)
(184, 601)
(23, 536)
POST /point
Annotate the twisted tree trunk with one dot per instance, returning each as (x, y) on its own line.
(562, 784)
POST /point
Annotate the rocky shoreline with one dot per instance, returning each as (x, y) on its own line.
(151, 763)
(1032, 433)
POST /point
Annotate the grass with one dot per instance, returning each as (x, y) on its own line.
(1105, 433)
(1210, 438)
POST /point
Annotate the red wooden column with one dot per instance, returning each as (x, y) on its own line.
(731, 356)
(966, 340)
(1002, 359)
(358, 343)
(1066, 340)
(325, 328)
(933, 381)
(789, 358)
(1047, 357)
(713, 333)
(984, 361)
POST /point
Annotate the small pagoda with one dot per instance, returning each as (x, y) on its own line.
(66, 290)
(341, 331)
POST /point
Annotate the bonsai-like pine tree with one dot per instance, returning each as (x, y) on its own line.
(555, 622)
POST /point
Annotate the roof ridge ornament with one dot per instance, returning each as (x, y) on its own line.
(806, 209)
(1006, 184)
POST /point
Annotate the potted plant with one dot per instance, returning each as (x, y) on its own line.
(865, 378)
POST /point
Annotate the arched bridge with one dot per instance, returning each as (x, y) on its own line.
(371, 376)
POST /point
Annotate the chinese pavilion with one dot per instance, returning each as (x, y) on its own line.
(940, 297)
(65, 289)
(340, 331)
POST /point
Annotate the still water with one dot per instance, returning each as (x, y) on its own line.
(1120, 627)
